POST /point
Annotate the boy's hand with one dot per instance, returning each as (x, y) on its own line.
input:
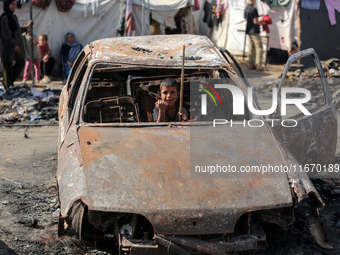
(184, 117)
(161, 105)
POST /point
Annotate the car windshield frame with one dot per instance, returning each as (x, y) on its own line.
(115, 66)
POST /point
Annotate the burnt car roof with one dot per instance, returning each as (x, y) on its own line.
(159, 50)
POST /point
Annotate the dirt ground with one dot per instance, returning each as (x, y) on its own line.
(29, 203)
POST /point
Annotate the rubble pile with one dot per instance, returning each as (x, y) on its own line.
(22, 104)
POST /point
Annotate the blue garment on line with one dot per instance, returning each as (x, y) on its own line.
(310, 4)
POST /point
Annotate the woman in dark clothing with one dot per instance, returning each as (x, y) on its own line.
(11, 42)
(69, 53)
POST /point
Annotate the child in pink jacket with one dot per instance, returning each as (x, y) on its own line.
(28, 50)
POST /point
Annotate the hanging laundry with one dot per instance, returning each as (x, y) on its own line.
(121, 23)
(94, 4)
(269, 21)
(42, 3)
(64, 5)
(197, 5)
(280, 3)
(310, 4)
(184, 25)
(209, 10)
(21, 2)
(86, 5)
(130, 20)
(332, 5)
(221, 7)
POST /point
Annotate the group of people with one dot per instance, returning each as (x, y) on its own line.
(16, 49)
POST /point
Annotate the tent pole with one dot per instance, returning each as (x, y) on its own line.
(148, 18)
(32, 54)
(244, 45)
(192, 20)
(182, 86)
(126, 6)
(299, 30)
(143, 16)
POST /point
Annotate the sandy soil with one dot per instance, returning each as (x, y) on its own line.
(28, 201)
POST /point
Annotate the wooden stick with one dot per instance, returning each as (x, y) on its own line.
(182, 85)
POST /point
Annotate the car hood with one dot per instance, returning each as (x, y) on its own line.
(146, 170)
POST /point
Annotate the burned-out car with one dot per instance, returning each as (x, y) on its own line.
(126, 182)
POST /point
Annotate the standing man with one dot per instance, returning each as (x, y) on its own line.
(255, 49)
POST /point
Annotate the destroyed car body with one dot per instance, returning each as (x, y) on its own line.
(124, 180)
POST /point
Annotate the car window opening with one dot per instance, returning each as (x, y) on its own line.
(129, 95)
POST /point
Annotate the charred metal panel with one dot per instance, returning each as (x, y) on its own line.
(146, 171)
(70, 175)
(312, 141)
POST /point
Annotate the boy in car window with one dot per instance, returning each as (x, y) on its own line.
(167, 108)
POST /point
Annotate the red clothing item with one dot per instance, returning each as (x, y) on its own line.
(269, 21)
(43, 49)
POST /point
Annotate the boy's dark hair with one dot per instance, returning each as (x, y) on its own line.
(168, 82)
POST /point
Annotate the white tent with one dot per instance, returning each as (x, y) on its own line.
(230, 33)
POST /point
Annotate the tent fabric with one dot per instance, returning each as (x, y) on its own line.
(163, 5)
(56, 24)
(283, 31)
(238, 4)
(231, 32)
(236, 31)
(220, 34)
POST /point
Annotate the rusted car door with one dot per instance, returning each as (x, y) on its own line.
(313, 139)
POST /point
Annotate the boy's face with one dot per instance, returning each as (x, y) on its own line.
(169, 95)
(42, 40)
